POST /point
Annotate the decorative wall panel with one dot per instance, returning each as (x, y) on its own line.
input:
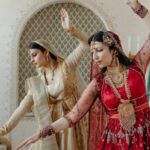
(46, 24)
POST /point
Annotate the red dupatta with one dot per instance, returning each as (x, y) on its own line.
(97, 113)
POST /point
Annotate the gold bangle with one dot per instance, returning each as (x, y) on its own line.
(71, 30)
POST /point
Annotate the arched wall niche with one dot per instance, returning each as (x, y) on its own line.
(87, 17)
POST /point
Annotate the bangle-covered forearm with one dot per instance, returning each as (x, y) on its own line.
(47, 131)
(55, 127)
(81, 36)
(139, 9)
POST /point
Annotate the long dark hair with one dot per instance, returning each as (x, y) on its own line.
(34, 45)
(116, 45)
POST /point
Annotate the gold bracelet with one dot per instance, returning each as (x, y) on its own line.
(72, 30)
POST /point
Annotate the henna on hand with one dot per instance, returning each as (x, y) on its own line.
(47, 131)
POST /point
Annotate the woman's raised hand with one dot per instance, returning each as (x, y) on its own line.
(29, 141)
(65, 21)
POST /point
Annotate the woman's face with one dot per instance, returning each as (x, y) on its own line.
(38, 58)
(101, 54)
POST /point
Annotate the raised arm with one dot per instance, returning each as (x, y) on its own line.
(23, 108)
(70, 119)
(74, 58)
(140, 10)
(142, 58)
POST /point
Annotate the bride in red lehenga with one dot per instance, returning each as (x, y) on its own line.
(116, 96)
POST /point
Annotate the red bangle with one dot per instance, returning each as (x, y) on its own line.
(140, 10)
(47, 131)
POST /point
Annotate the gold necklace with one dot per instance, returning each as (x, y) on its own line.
(51, 99)
(117, 76)
(126, 109)
(117, 79)
(52, 78)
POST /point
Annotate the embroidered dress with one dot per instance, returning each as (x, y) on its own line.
(114, 136)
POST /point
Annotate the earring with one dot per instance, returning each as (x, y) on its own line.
(47, 59)
(114, 57)
(116, 53)
(116, 60)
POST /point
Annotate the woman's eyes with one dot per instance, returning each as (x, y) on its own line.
(33, 55)
(99, 50)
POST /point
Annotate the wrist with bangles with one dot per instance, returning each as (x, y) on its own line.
(72, 30)
(139, 9)
(47, 131)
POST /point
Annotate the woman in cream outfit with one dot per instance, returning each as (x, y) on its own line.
(53, 92)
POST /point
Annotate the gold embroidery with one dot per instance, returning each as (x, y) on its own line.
(126, 114)
(125, 109)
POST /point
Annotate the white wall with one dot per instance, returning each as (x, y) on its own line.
(13, 16)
